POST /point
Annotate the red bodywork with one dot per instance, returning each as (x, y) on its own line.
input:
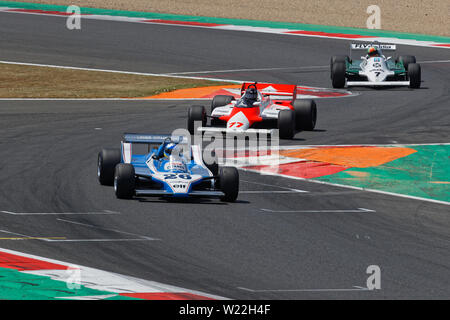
(272, 95)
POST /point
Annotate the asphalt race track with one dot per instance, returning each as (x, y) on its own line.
(239, 251)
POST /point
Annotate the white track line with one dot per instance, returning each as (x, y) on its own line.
(117, 71)
(437, 61)
(256, 69)
(268, 191)
(355, 288)
(94, 240)
(273, 185)
(359, 210)
(170, 75)
(26, 236)
(288, 147)
(106, 229)
(57, 213)
(89, 298)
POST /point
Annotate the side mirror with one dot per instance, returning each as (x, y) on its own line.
(256, 103)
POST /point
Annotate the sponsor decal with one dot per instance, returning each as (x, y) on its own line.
(175, 166)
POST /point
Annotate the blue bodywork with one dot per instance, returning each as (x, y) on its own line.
(178, 175)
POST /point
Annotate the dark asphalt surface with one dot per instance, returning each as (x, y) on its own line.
(237, 250)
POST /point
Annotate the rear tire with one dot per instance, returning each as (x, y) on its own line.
(213, 167)
(286, 124)
(229, 183)
(338, 74)
(335, 59)
(305, 114)
(124, 181)
(196, 113)
(406, 60)
(220, 101)
(106, 163)
(414, 75)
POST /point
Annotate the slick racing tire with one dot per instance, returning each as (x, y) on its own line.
(214, 166)
(305, 114)
(229, 183)
(107, 161)
(220, 101)
(286, 124)
(196, 113)
(124, 181)
(406, 60)
(414, 75)
(337, 59)
(338, 74)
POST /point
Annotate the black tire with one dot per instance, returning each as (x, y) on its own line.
(220, 101)
(414, 75)
(229, 183)
(305, 114)
(106, 164)
(286, 124)
(124, 181)
(337, 59)
(196, 113)
(406, 60)
(213, 167)
(338, 74)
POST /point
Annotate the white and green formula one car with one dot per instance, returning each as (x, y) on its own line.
(375, 69)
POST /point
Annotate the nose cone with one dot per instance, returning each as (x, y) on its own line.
(238, 122)
(377, 70)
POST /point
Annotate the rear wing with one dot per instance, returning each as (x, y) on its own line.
(151, 138)
(276, 91)
(365, 46)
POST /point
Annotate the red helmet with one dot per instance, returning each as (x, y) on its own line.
(372, 51)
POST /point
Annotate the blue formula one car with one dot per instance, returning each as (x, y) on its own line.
(167, 168)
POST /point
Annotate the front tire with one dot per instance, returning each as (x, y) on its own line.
(286, 124)
(414, 75)
(229, 183)
(196, 113)
(106, 164)
(124, 181)
(305, 114)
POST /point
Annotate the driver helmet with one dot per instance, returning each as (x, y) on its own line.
(373, 52)
(251, 94)
(169, 148)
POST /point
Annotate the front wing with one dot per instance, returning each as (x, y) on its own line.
(377, 84)
(237, 132)
(161, 193)
(175, 185)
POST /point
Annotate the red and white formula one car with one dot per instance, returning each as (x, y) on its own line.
(261, 107)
